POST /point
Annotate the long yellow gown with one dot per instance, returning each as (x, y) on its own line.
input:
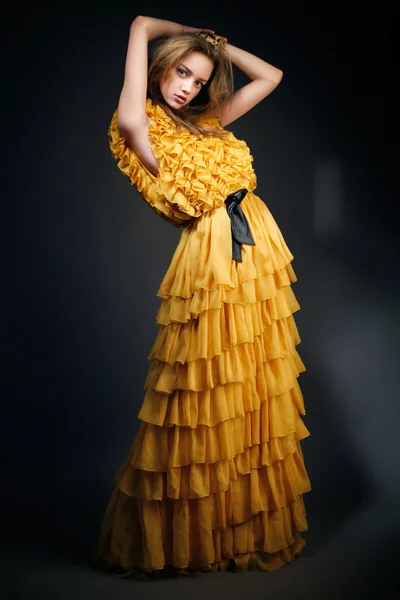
(216, 474)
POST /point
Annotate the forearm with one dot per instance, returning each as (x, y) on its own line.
(253, 66)
(155, 28)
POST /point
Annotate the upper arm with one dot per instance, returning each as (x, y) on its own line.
(133, 121)
(132, 101)
(244, 99)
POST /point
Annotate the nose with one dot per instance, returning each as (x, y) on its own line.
(186, 87)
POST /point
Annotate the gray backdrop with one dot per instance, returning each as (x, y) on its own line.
(85, 256)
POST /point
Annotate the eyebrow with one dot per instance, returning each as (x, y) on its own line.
(191, 73)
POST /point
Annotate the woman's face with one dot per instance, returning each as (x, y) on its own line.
(186, 79)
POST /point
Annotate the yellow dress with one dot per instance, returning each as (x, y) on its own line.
(215, 476)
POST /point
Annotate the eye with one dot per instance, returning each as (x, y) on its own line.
(181, 71)
(199, 84)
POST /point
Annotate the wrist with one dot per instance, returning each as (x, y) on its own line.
(216, 40)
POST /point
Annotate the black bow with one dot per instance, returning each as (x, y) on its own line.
(240, 228)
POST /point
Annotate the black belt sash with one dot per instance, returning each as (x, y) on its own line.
(241, 233)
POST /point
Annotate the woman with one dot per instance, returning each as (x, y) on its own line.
(216, 474)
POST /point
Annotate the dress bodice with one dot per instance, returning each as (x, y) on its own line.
(196, 172)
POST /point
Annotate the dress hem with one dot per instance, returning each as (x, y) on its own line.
(257, 560)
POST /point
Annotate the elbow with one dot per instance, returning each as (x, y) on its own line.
(271, 81)
(138, 21)
(278, 77)
(275, 80)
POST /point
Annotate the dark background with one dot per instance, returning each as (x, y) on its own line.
(85, 256)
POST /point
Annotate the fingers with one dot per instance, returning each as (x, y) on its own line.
(205, 32)
(210, 31)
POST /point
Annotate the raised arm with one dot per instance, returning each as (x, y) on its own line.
(264, 79)
(132, 117)
(132, 101)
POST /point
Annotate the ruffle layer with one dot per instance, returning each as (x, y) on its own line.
(238, 563)
(162, 448)
(140, 534)
(219, 330)
(201, 446)
(187, 408)
(270, 475)
(178, 309)
(236, 365)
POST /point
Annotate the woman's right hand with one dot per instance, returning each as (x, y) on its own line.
(187, 29)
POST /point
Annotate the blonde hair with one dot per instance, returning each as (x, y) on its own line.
(167, 53)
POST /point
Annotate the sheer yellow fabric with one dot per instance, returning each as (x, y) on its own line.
(216, 474)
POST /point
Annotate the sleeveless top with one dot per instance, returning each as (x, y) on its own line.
(196, 172)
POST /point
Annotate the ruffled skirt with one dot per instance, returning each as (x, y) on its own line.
(216, 474)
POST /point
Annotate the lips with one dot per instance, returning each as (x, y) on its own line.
(180, 99)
